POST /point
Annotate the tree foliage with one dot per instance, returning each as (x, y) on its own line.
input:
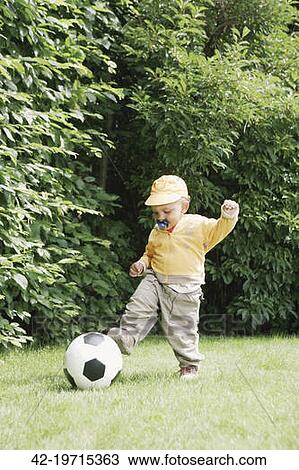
(59, 270)
(200, 88)
(215, 102)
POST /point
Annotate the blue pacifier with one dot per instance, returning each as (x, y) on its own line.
(162, 224)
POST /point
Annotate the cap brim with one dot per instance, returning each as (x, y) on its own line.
(161, 199)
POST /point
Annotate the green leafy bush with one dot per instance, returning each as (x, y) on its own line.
(59, 268)
(205, 89)
(225, 119)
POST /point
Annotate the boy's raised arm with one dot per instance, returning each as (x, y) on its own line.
(217, 229)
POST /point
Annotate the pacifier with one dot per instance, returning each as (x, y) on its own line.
(162, 224)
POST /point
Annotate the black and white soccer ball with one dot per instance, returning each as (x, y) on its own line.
(92, 360)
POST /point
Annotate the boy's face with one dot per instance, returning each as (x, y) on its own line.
(170, 212)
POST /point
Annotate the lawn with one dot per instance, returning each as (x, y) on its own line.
(245, 398)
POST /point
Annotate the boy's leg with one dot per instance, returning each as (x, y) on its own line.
(140, 315)
(180, 316)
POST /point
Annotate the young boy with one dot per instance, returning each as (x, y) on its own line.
(173, 270)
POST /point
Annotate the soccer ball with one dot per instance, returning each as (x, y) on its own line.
(92, 360)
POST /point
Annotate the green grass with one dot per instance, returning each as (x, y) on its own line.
(148, 407)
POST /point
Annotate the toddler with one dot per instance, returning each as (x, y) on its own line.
(173, 270)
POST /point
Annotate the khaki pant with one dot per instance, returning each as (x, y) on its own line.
(179, 317)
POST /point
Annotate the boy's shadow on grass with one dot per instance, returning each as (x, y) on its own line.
(60, 383)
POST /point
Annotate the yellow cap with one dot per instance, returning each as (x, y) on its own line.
(167, 189)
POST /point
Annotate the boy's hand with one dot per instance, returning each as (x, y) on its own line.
(230, 209)
(136, 269)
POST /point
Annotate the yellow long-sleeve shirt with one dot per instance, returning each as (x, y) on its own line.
(178, 256)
